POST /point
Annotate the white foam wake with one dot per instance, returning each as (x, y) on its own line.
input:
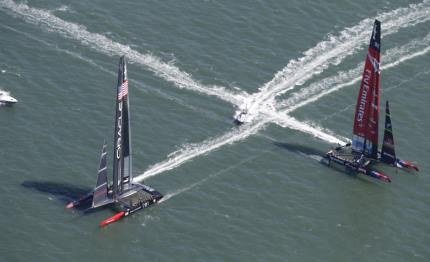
(103, 44)
(312, 129)
(281, 116)
(333, 51)
(182, 156)
(79, 56)
(392, 58)
(315, 61)
(191, 151)
(327, 86)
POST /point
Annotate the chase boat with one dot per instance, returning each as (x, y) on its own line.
(6, 98)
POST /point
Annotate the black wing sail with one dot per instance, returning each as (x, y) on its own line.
(122, 148)
(100, 196)
(127, 174)
(388, 154)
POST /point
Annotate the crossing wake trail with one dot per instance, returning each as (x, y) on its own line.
(191, 151)
(167, 71)
(328, 52)
(332, 52)
(392, 57)
(320, 89)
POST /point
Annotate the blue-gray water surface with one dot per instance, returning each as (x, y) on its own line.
(261, 196)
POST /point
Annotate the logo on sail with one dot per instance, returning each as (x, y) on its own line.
(363, 98)
(119, 133)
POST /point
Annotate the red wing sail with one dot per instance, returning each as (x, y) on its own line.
(365, 133)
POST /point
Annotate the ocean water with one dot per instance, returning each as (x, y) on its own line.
(250, 193)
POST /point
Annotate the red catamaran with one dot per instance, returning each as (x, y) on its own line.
(363, 153)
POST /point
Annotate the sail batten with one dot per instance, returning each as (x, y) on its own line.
(365, 131)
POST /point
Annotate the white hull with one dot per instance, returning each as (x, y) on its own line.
(241, 117)
(6, 99)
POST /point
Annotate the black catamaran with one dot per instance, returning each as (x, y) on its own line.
(363, 153)
(124, 195)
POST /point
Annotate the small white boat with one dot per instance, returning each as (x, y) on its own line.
(242, 116)
(6, 99)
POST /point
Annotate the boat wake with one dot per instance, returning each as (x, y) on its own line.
(191, 151)
(332, 52)
(306, 96)
(311, 129)
(392, 57)
(89, 61)
(261, 105)
(167, 71)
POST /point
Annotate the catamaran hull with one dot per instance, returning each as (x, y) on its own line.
(112, 219)
(156, 196)
(123, 212)
(349, 166)
(406, 165)
(141, 205)
(87, 199)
